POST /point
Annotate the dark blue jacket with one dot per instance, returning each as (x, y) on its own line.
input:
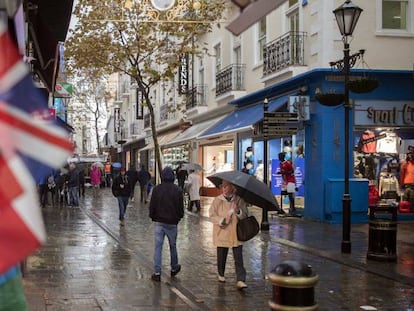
(166, 205)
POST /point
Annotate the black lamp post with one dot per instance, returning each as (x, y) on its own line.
(347, 16)
(264, 226)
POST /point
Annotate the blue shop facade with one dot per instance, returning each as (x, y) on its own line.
(315, 143)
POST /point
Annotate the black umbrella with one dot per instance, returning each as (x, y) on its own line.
(249, 188)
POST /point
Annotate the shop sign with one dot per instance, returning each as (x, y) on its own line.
(63, 89)
(384, 113)
(139, 113)
(183, 74)
(117, 120)
(300, 106)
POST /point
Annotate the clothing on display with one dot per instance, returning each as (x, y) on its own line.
(389, 144)
(388, 186)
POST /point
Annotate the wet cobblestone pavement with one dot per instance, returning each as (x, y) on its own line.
(91, 263)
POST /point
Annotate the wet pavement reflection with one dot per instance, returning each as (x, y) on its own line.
(90, 262)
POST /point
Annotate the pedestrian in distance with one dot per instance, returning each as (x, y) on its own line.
(194, 182)
(108, 174)
(143, 178)
(133, 178)
(95, 176)
(121, 189)
(166, 209)
(81, 171)
(181, 174)
(73, 185)
(225, 211)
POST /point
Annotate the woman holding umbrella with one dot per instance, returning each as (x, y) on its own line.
(225, 212)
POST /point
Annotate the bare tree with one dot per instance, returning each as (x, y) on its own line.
(89, 89)
(139, 41)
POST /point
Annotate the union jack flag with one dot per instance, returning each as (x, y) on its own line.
(28, 145)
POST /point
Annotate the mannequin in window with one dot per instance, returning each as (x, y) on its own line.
(248, 161)
(407, 179)
(289, 181)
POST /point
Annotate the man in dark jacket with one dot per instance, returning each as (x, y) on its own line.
(121, 188)
(143, 178)
(133, 178)
(73, 185)
(166, 209)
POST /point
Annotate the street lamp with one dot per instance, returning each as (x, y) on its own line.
(264, 226)
(347, 16)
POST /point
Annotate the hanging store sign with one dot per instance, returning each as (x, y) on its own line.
(183, 75)
(384, 113)
(117, 120)
(139, 113)
(64, 90)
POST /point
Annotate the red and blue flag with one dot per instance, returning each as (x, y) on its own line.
(30, 147)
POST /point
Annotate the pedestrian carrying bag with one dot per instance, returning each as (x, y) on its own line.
(247, 228)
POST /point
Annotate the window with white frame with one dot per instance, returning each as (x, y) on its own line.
(217, 53)
(395, 16)
(237, 54)
(261, 38)
(200, 71)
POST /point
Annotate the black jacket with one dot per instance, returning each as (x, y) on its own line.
(116, 186)
(166, 205)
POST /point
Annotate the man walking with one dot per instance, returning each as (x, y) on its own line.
(121, 189)
(73, 185)
(143, 178)
(166, 209)
(133, 178)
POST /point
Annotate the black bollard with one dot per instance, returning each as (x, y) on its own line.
(293, 287)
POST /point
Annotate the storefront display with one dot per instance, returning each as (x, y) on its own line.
(174, 155)
(379, 157)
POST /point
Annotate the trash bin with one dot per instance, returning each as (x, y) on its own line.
(382, 236)
(293, 287)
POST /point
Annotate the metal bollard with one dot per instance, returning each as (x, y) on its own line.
(293, 287)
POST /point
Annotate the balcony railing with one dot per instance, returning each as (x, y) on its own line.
(231, 78)
(166, 112)
(285, 51)
(197, 96)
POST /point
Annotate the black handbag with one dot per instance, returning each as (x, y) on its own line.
(247, 228)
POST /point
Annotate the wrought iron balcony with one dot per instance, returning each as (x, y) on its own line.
(285, 51)
(197, 96)
(167, 113)
(231, 78)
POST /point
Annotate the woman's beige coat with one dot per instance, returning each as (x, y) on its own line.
(219, 209)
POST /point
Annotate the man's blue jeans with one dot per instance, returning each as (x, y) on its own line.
(74, 196)
(170, 231)
(122, 204)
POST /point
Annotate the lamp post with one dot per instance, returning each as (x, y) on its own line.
(264, 226)
(347, 16)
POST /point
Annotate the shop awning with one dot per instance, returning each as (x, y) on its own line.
(48, 23)
(243, 119)
(163, 139)
(194, 131)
